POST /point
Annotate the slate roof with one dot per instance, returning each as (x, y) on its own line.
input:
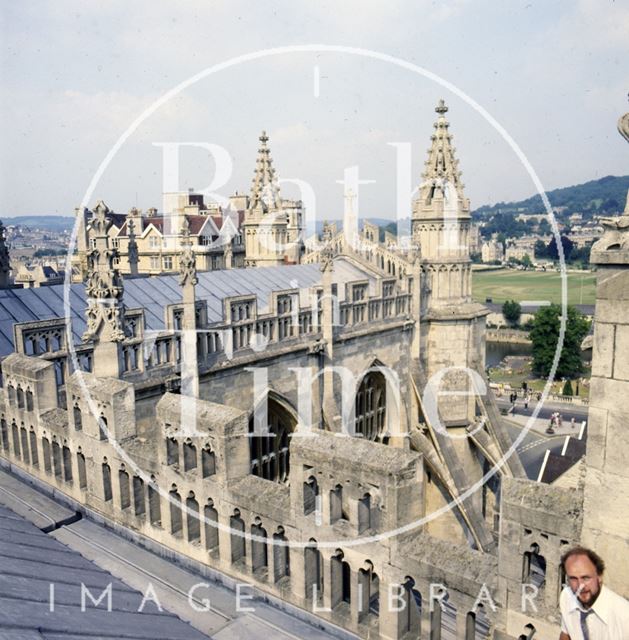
(31, 560)
(156, 292)
(197, 221)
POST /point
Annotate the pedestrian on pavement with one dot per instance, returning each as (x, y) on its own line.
(573, 423)
(559, 420)
(553, 421)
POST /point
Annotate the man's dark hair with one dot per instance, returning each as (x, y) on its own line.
(592, 556)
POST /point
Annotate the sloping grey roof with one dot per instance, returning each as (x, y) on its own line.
(155, 293)
(30, 561)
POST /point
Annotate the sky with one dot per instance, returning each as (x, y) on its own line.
(554, 75)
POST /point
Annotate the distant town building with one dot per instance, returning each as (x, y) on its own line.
(492, 250)
(148, 242)
(517, 248)
(38, 275)
(586, 234)
(535, 217)
(476, 240)
(257, 230)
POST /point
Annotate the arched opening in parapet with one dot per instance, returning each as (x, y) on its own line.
(369, 593)
(211, 526)
(269, 440)
(281, 555)
(477, 624)
(534, 567)
(259, 551)
(410, 611)
(313, 572)
(340, 580)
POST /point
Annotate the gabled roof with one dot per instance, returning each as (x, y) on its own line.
(197, 223)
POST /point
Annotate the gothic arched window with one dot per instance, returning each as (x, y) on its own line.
(370, 406)
(269, 452)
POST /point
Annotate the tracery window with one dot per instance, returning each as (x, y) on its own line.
(269, 452)
(370, 406)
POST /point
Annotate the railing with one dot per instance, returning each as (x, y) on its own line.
(146, 351)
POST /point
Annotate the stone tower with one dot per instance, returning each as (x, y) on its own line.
(453, 327)
(265, 225)
(5, 263)
(606, 506)
(104, 290)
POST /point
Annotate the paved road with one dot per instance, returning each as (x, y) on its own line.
(533, 447)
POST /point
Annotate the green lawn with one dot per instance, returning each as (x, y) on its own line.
(509, 284)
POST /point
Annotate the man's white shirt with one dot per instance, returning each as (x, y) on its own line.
(609, 619)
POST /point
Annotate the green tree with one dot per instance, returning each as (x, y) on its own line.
(544, 227)
(526, 261)
(512, 311)
(552, 251)
(544, 335)
(567, 389)
(540, 249)
(581, 255)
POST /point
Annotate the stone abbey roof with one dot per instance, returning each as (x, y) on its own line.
(155, 293)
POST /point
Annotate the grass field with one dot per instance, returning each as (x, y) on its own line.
(509, 284)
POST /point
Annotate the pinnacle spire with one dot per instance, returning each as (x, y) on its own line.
(441, 177)
(104, 288)
(265, 191)
(5, 264)
(187, 259)
(132, 251)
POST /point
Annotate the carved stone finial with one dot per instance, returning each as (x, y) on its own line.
(613, 246)
(104, 288)
(265, 191)
(5, 262)
(414, 254)
(326, 259)
(623, 126)
(441, 108)
(326, 234)
(187, 259)
(133, 256)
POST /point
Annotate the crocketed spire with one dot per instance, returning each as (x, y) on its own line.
(104, 288)
(265, 191)
(441, 178)
(187, 258)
